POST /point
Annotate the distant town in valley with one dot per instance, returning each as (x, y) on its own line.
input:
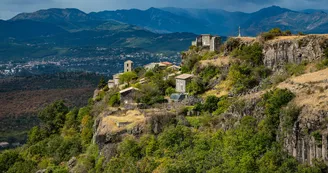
(102, 65)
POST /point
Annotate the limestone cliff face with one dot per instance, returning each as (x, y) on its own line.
(281, 51)
(285, 49)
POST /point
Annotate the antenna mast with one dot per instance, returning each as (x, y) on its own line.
(239, 34)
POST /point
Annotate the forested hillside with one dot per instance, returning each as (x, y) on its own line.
(244, 112)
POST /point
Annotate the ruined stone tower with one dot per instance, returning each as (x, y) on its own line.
(128, 66)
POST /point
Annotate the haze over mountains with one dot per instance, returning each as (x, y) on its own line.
(168, 20)
(62, 32)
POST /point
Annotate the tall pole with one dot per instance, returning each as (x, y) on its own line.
(239, 34)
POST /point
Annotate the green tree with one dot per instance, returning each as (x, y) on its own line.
(211, 104)
(8, 159)
(169, 91)
(127, 77)
(71, 120)
(250, 54)
(35, 135)
(23, 167)
(196, 86)
(54, 116)
(86, 125)
(102, 83)
(114, 100)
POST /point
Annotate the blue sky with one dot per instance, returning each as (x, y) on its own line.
(9, 8)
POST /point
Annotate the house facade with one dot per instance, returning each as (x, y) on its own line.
(182, 81)
(129, 95)
(111, 84)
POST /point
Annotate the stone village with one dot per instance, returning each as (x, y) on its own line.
(127, 95)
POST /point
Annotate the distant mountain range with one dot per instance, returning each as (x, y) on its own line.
(59, 32)
(154, 29)
(168, 20)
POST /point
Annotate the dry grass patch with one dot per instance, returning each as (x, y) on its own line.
(128, 120)
(219, 62)
(310, 89)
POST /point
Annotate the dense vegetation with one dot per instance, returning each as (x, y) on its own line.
(22, 97)
(63, 134)
(217, 133)
(195, 146)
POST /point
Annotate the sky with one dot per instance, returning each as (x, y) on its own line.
(10, 8)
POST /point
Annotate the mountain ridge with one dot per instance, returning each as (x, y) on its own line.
(198, 21)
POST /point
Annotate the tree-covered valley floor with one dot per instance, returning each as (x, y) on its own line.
(247, 110)
(22, 97)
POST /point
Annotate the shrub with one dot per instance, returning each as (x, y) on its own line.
(232, 44)
(323, 63)
(222, 105)
(208, 55)
(242, 77)
(169, 91)
(195, 87)
(102, 83)
(22, 167)
(114, 100)
(189, 63)
(250, 54)
(274, 33)
(83, 112)
(318, 137)
(211, 104)
(289, 116)
(175, 138)
(8, 159)
(100, 96)
(86, 126)
(295, 69)
(36, 135)
(274, 100)
(208, 73)
(106, 88)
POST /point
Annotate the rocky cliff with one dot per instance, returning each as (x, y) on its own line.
(306, 138)
(293, 49)
(113, 124)
(285, 49)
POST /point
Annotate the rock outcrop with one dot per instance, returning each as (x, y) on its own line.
(308, 139)
(295, 49)
(113, 125)
(284, 49)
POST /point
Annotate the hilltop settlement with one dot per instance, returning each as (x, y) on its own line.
(249, 104)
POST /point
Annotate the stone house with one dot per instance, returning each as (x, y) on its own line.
(116, 79)
(111, 83)
(182, 81)
(175, 68)
(129, 95)
(208, 41)
(152, 65)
